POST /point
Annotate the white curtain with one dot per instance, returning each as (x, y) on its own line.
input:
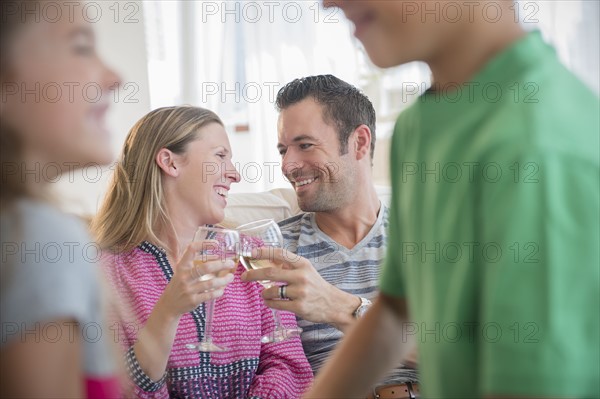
(234, 62)
(572, 27)
(233, 56)
(279, 52)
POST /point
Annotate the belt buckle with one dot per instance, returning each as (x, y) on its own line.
(411, 393)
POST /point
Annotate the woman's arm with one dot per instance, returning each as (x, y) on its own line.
(184, 293)
(34, 364)
(283, 371)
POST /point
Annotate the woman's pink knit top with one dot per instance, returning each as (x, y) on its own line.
(248, 369)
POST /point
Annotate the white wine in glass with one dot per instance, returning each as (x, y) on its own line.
(261, 234)
(253, 264)
(223, 243)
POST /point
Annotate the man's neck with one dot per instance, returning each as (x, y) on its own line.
(471, 49)
(349, 225)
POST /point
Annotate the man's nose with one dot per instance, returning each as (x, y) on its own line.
(291, 163)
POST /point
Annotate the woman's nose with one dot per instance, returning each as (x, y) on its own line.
(232, 174)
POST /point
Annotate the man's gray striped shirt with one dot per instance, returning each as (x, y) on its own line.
(355, 271)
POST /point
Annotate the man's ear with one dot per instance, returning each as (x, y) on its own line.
(362, 141)
(165, 159)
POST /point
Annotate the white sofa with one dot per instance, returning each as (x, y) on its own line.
(277, 204)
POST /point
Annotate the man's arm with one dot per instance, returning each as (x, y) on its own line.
(310, 296)
(374, 346)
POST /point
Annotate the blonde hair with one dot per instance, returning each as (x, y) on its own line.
(134, 205)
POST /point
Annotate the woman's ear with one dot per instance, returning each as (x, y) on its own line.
(165, 159)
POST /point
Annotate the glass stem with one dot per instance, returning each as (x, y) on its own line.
(277, 320)
(208, 320)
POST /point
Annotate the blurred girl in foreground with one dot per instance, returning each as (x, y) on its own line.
(54, 340)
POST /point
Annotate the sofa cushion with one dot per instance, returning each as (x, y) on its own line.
(277, 204)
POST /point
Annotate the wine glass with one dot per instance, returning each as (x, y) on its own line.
(223, 243)
(264, 233)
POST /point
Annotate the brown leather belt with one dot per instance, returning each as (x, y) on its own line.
(400, 391)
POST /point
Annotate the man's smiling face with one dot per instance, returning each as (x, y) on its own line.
(311, 159)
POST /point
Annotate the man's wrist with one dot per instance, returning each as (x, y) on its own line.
(343, 316)
(360, 311)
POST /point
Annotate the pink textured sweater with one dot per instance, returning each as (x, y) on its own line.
(248, 370)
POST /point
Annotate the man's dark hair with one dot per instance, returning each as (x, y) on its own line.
(344, 106)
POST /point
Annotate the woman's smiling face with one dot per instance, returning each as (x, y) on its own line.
(206, 173)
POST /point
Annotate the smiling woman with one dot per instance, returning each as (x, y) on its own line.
(171, 160)
(173, 176)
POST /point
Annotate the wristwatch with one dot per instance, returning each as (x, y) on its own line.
(360, 311)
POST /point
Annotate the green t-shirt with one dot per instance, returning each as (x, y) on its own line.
(494, 230)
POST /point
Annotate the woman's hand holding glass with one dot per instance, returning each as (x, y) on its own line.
(216, 244)
(189, 286)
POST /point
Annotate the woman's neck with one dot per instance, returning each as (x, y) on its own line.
(179, 229)
(176, 235)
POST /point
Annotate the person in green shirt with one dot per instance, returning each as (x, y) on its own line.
(493, 252)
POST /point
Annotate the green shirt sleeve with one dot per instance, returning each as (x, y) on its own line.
(391, 282)
(540, 278)
(391, 277)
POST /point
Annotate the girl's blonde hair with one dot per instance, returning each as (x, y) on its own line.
(134, 205)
